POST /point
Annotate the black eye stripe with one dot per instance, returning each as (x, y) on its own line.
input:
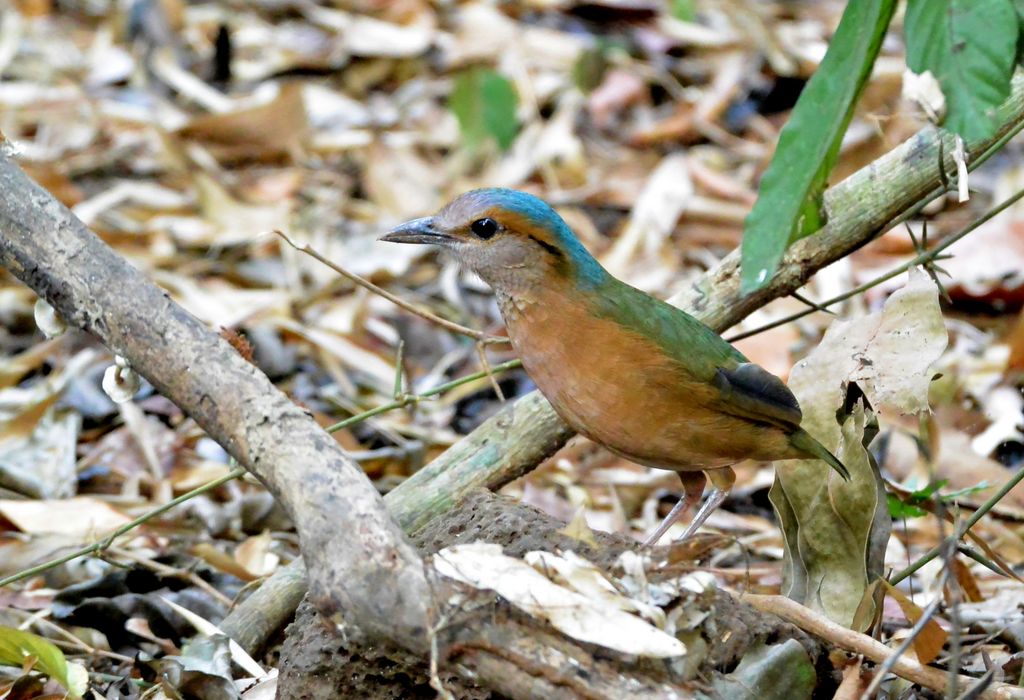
(484, 228)
(547, 246)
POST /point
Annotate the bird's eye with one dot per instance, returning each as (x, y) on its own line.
(484, 228)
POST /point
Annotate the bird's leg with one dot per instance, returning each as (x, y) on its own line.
(722, 481)
(693, 488)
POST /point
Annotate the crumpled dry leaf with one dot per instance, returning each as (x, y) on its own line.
(770, 672)
(889, 354)
(42, 464)
(229, 221)
(37, 441)
(483, 565)
(203, 669)
(482, 33)
(979, 273)
(211, 633)
(835, 532)
(575, 572)
(362, 35)
(12, 369)
(552, 147)
(578, 529)
(402, 183)
(255, 556)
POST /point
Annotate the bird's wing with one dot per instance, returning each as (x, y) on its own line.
(750, 391)
(745, 389)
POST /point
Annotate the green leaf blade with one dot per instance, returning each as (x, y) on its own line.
(970, 47)
(789, 204)
(17, 645)
(484, 102)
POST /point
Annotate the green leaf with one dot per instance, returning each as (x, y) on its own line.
(909, 506)
(485, 102)
(16, 646)
(789, 203)
(683, 10)
(899, 509)
(970, 47)
(589, 69)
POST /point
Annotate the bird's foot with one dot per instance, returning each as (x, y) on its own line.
(714, 500)
(693, 489)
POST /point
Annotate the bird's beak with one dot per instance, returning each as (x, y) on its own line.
(416, 231)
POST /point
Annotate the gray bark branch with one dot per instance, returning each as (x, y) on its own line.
(372, 574)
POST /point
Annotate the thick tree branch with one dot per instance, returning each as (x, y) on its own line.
(371, 574)
(523, 434)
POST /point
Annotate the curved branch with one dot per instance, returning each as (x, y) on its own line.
(372, 574)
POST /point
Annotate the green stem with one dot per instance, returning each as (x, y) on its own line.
(127, 527)
(103, 544)
(922, 258)
(968, 524)
(407, 399)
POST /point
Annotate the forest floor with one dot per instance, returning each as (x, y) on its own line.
(186, 134)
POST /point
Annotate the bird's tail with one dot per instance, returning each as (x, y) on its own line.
(803, 441)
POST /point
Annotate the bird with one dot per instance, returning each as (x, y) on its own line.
(642, 378)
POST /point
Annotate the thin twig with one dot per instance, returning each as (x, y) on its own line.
(399, 371)
(961, 531)
(922, 258)
(407, 399)
(476, 335)
(820, 626)
(481, 352)
(811, 303)
(886, 667)
(108, 541)
(124, 529)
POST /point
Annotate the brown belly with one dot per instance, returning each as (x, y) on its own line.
(627, 396)
(657, 430)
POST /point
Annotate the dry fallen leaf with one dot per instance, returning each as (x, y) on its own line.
(273, 130)
(83, 516)
(835, 531)
(932, 638)
(483, 565)
(663, 200)
(255, 556)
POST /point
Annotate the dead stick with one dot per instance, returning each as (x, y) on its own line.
(820, 626)
(372, 573)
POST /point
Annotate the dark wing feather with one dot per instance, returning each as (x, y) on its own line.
(752, 392)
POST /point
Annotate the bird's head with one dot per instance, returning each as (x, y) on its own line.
(513, 240)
